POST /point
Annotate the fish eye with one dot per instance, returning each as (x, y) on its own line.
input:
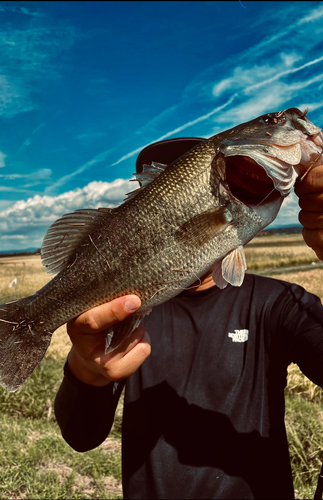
(269, 119)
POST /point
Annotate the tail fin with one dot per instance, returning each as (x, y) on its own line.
(23, 343)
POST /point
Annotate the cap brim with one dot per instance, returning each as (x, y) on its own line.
(166, 151)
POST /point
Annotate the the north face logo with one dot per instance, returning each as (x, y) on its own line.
(239, 335)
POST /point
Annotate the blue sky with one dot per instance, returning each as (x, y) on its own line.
(84, 86)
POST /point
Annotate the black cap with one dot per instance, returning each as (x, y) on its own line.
(166, 151)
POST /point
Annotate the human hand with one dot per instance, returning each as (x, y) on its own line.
(88, 360)
(310, 193)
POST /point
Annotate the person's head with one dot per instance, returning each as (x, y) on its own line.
(166, 152)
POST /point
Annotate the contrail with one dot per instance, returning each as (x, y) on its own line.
(179, 129)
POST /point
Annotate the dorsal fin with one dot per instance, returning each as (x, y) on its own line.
(149, 173)
(65, 234)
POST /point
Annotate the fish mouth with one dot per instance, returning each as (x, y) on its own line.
(248, 181)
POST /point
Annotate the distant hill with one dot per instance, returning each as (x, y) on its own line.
(295, 229)
(26, 251)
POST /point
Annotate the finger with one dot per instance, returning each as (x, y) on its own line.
(312, 182)
(92, 347)
(311, 220)
(89, 362)
(101, 317)
(127, 358)
(312, 202)
(314, 239)
(132, 359)
(127, 344)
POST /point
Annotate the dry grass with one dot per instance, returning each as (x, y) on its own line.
(299, 384)
(262, 252)
(311, 280)
(60, 344)
(30, 274)
(278, 251)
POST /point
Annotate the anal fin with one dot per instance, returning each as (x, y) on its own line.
(121, 331)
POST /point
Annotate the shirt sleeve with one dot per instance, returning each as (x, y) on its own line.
(85, 413)
(301, 327)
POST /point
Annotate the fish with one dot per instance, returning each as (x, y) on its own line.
(185, 218)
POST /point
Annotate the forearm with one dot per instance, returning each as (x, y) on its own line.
(85, 413)
(86, 401)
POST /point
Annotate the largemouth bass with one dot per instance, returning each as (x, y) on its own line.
(190, 216)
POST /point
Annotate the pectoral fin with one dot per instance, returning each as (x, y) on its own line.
(203, 227)
(231, 269)
(217, 276)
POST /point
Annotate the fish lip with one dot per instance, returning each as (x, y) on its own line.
(311, 149)
(311, 153)
(318, 139)
(249, 182)
(277, 145)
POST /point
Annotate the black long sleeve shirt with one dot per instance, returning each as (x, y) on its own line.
(204, 415)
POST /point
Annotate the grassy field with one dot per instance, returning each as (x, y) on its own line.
(35, 462)
(278, 251)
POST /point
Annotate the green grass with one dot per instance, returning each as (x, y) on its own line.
(35, 398)
(304, 425)
(35, 461)
(30, 274)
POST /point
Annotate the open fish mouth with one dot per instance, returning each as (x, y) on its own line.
(271, 158)
(248, 181)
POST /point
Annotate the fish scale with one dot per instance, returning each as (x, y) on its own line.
(194, 215)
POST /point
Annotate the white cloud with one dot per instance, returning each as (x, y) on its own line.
(250, 79)
(32, 217)
(28, 141)
(314, 15)
(25, 223)
(288, 214)
(311, 105)
(63, 180)
(285, 66)
(282, 74)
(11, 7)
(42, 174)
(15, 237)
(259, 80)
(178, 129)
(89, 136)
(15, 190)
(287, 22)
(28, 59)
